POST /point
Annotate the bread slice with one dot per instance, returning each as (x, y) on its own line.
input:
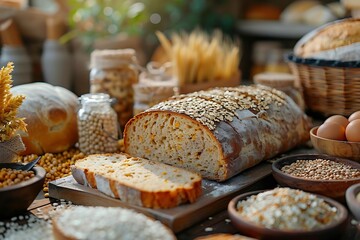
(138, 181)
(95, 223)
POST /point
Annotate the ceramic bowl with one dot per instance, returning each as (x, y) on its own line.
(343, 149)
(353, 200)
(331, 188)
(331, 231)
(15, 199)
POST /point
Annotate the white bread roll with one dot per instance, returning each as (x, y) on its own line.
(318, 15)
(50, 115)
(293, 13)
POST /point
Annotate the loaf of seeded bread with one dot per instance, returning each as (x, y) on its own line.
(220, 132)
(138, 181)
(96, 223)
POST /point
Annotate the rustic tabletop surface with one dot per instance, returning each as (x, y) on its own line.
(216, 223)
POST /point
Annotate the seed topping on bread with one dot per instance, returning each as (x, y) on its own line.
(211, 107)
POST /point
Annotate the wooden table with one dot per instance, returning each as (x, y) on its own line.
(216, 223)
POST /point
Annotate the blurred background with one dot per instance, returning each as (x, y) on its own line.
(265, 30)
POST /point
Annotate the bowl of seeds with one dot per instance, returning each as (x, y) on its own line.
(317, 173)
(18, 188)
(285, 213)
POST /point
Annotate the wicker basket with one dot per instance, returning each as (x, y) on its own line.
(329, 87)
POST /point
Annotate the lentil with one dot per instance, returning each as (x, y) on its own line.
(287, 209)
(9, 177)
(321, 169)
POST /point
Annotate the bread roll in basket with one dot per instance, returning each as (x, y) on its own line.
(326, 63)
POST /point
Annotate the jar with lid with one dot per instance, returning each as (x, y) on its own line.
(97, 124)
(114, 72)
(155, 85)
(284, 82)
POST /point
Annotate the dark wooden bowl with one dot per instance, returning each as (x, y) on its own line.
(331, 231)
(342, 149)
(17, 198)
(331, 188)
(352, 202)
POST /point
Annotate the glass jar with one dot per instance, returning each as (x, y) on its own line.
(97, 124)
(155, 85)
(284, 82)
(114, 72)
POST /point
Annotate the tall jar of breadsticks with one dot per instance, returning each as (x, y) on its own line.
(114, 72)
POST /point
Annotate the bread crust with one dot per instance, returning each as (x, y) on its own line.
(329, 36)
(51, 118)
(244, 141)
(126, 192)
(223, 236)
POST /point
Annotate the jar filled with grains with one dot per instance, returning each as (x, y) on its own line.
(284, 82)
(155, 85)
(114, 72)
(97, 124)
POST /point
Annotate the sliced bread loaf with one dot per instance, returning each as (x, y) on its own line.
(220, 132)
(138, 181)
(95, 223)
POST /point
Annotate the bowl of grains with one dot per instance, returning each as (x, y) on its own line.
(18, 188)
(336, 148)
(285, 213)
(353, 200)
(317, 173)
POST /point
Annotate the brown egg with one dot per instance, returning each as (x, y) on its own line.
(353, 131)
(332, 130)
(355, 115)
(343, 121)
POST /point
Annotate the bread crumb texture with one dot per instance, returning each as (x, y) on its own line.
(138, 181)
(94, 223)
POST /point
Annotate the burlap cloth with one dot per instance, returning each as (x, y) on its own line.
(10, 149)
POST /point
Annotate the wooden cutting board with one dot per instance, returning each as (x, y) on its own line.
(215, 198)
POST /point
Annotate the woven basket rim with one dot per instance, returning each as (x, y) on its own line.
(321, 62)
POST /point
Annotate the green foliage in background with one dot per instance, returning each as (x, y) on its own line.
(93, 19)
(185, 15)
